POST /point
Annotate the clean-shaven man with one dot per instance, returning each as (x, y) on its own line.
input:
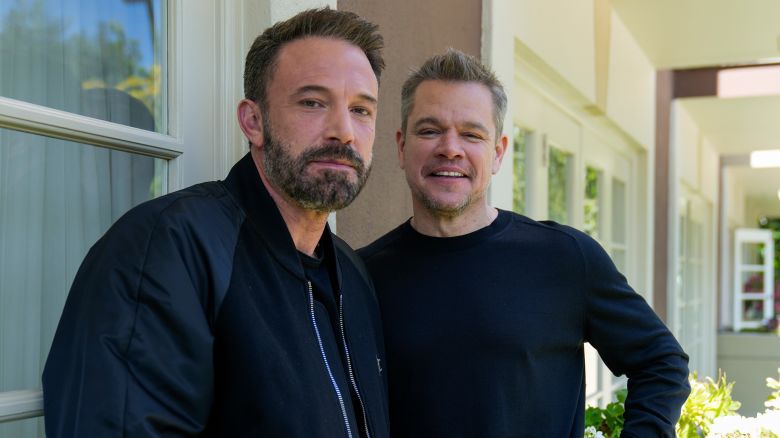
(486, 312)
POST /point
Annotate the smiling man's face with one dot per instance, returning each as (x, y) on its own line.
(449, 151)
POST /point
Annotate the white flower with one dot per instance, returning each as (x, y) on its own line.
(762, 426)
(591, 432)
(769, 421)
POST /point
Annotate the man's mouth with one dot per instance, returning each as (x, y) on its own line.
(450, 174)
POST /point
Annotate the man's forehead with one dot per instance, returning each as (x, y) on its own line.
(437, 102)
(322, 62)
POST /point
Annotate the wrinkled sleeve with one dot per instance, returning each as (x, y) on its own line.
(634, 342)
(132, 355)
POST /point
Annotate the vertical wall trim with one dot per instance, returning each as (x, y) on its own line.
(663, 106)
(602, 17)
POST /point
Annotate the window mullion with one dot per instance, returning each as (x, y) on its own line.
(18, 405)
(36, 119)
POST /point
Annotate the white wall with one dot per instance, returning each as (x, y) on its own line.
(561, 32)
(685, 145)
(631, 86)
(735, 197)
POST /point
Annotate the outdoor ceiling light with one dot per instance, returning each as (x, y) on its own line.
(768, 158)
(749, 81)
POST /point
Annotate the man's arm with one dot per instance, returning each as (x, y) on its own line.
(633, 341)
(132, 355)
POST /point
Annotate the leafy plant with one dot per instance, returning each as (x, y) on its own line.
(709, 399)
(609, 420)
(773, 402)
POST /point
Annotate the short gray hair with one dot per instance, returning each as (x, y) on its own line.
(454, 66)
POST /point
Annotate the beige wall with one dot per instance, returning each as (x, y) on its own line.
(748, 359)
(413, 31)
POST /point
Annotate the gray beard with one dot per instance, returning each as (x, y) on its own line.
(327, 191)
(441, 209)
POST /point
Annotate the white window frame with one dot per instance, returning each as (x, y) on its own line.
(203, 140)
(755, 236)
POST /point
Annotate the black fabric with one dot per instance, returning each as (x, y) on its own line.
(485, 333)
(191, 317)
(320, 270)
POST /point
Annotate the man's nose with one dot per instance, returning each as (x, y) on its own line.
(449, 146)
(340, 126)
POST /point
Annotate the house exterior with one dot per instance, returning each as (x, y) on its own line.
(614, 130)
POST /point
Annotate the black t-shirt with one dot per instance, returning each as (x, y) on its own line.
(320, 270)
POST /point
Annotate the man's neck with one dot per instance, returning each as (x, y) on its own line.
(434, 224)
(305, 226)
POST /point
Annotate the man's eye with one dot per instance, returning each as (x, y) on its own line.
(427, 132)
(472, 136)
(311, 103)
(362, 111)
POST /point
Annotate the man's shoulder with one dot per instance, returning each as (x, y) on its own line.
(204, 205)
(549, 231)
(387, 242)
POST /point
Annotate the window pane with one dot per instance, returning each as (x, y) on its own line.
(618, 211)
(521, 137)
(619, 257)
(753, 282)
(27, 428)
(56, 199)
(98, 58)
(558, 190)
(753, 310)
(591, 223)
(752, 253)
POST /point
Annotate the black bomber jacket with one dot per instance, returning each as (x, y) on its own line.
(192, 316)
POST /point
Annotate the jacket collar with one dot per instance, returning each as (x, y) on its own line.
(244, 184)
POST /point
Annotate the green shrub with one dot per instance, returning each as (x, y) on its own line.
(609, 420)
(708, 400)
(774, 398)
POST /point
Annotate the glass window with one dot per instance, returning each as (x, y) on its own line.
(56, 199)
(558, 187)
(591, 202)
(618, 229)
(520, 144)
(31, 427)
(98, 58)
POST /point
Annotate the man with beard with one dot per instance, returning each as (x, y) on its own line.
(486, 312)
(229, 309)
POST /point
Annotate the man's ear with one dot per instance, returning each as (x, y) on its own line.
(400, 140)
(501, 146)
(250, 119)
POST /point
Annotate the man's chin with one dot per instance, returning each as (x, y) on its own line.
(444, 207)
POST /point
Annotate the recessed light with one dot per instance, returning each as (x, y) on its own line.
(767, 158)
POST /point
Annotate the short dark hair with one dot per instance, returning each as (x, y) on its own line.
(324, 22)
(454, 66)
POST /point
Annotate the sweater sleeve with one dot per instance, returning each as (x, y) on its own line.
(633, 341)
(132, 355)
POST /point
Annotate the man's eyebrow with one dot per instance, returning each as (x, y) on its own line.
(322, 89)
(430, 120)
(475, 125)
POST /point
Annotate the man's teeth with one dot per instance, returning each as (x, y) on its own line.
(448, 174)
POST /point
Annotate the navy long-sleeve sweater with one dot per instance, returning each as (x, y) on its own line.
(485, 332)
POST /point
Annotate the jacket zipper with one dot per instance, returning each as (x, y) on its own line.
(349, 365)
(327, 365)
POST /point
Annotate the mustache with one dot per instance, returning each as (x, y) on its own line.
(334, 151)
